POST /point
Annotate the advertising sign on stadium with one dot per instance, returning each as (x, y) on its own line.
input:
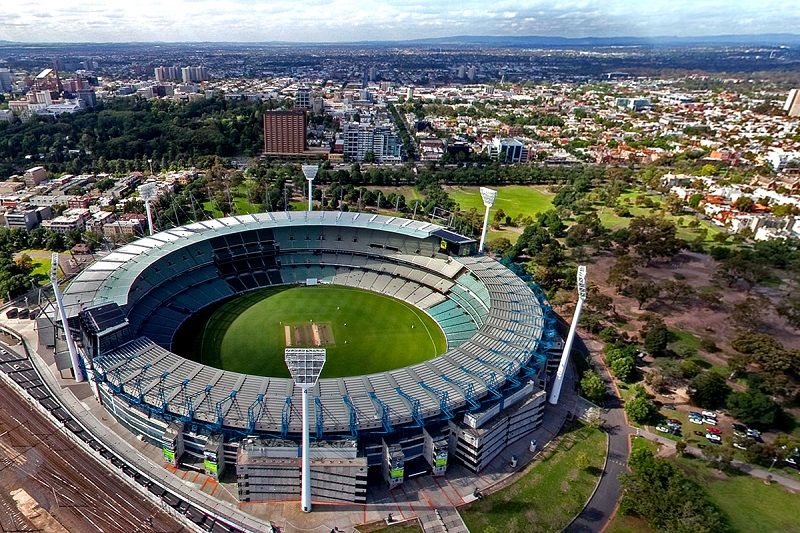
(396, 473)
(210, 466)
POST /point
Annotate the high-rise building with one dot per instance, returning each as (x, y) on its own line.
(194, 74)
(167, 74)
(792, 105)
(285, 132)
(362, 139)
(302, 99)
(6, 81)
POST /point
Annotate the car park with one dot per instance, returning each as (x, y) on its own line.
(713, 437)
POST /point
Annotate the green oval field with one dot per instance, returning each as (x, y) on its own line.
(362, 331)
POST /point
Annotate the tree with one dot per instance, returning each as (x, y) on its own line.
(661, 494)
(643, 291)
(500, 245)
(623, 271)
(656, 339)
(582, 461)
(747, 314)
(677, 290)
(593, 387)
(654, 237)
(744, 204)
(738, 268)
(753, 408)
(623, 368)
(709, 390)
(640, 409)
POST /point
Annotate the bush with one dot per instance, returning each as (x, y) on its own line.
(708, 345)
(689, 368)
(709, 390)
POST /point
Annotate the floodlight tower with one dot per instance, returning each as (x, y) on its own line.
(73, 351)
(488, 196)
(562, 365)
(305, 366)
(147, 192)
(310, 172)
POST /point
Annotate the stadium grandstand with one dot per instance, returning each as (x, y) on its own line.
(468, 403)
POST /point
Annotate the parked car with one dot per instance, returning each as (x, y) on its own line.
(709, 414)
(793, 460)
(739, 429)
(695, 420)
(753, 434)
(739, 445)
(713, 437)
(710, 421)
(715, 431)
(663, 429)
(12, 313)
(695, 414)
(24, 313)
(672, 422)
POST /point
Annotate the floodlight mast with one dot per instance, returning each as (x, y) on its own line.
(488, 195)
(562, 365)
(73, 351)
(310, 172)
(305, 366)
(147, 192)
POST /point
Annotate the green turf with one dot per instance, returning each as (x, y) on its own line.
(548, 496)
(247, 334)
(513, 199)
(748, 503)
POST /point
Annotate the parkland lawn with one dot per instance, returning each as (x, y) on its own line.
(550, 494)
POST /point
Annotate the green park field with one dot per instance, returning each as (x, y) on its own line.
(513, 199)
(363, 332)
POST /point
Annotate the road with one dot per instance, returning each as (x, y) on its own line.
(600, 508)
(64, 479)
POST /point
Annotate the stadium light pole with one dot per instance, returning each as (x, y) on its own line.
(305, 366)
(562, 365)
(73, 350)
(310, 172)
(147, 192)
(488, 195)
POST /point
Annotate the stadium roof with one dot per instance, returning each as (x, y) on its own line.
(109, 279)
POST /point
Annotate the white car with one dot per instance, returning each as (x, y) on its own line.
(710, 421)
(712, 437)
(662, 429)
(739, 445)
(709, 414)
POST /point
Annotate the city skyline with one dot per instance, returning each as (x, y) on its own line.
(378, 20)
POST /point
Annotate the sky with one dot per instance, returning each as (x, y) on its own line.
(355, 20)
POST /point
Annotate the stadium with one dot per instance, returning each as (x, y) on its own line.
(478, 385)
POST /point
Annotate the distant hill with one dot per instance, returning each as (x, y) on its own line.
(767, 39)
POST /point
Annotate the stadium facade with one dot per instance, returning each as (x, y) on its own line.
(467, 404)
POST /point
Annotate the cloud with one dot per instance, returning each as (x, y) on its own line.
(348, 20)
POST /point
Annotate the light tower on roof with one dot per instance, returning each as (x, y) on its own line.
(488, 195)
(147, 192)
(562, 365)
(310, 172)
(73, 351)
(305, 366)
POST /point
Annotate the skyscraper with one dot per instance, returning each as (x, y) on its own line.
(302, 98)
(285, 132)
(6, 82)
(792, 105)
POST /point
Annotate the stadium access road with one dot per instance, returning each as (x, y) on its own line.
(64, 479)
